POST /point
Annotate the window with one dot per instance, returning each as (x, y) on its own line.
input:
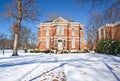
(73, 31)
(64, 43)
(47, 43)
(73, 43)
(47, 31)
(55, 43)
(60, 30)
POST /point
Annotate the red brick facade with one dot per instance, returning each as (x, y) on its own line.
(110, 31)
(61, 34)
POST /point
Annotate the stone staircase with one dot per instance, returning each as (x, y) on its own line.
(59, 51)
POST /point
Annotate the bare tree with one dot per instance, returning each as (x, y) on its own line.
(21, 10)
(24, 37)
(3, 38)
(112, 14)
(52, 16)
(93, 4)
(95, 21)
(33, 40)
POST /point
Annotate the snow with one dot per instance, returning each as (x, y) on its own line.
(60, 67)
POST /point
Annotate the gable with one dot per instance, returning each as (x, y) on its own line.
(60, 20)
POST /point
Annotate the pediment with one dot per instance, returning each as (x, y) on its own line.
(60, 20)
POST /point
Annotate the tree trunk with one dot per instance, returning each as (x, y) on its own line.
(18, 26)
(15, 53)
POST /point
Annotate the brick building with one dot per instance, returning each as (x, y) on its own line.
(60, 34)
(110, 31)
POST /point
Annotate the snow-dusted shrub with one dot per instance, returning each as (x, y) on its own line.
(108, 47)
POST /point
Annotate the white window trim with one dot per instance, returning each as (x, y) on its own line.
(73, 43)
(47, 31)
(62, 30)
(55, 43)
(58, 30)
(65, 43)
(73, 32)
(47, 42)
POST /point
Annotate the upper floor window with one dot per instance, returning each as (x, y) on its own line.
(60, 30)
(47, 31)
(73, 31)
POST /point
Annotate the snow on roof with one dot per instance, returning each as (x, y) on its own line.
(60, 20)
(109, 25)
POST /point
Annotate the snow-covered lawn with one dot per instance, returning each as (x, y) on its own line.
(59, 67)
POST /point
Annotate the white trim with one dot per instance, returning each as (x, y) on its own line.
(61, 37)
(73, 43)
(73, 32)
(47, 31)
(65, 21)
(47, 42)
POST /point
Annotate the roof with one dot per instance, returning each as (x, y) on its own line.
(59, 21)
(110, 25)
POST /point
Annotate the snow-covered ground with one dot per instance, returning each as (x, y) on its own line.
(59, 67)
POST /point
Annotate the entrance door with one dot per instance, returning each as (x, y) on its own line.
(60, 45)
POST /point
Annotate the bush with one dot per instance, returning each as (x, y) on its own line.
(35, 51)
(117, 50)
(85, 51)
(108, 47)
(65, 52)
(52, 51)
(38, 51)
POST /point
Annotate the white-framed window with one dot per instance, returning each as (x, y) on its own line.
(55, 43)
(47, 31)
(64, 43)
(60, 30)
(73, 31)
(47, 42)
(73, 43)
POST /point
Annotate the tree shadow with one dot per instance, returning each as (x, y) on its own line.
(112, 71)
(38, 76)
